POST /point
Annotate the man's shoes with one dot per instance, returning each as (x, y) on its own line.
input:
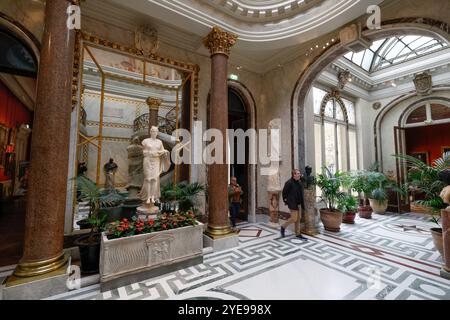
(302, 237)
(282, 230)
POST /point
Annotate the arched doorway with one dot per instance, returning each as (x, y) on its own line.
(19, 55)
(406, 26)
(238, 119)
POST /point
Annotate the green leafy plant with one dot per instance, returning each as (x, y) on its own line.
(330, 184)
(184, 193)
(379, 194)
(90, 193)
(347, 203)
(423, 177)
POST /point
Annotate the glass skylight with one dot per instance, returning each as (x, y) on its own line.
(391, 51)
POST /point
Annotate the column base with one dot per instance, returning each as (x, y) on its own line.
(220, 244)
(36, 287)
(445, 273)
(218, 232)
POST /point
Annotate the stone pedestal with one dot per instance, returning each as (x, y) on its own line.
(146, 212)
(274, 205)
(310, 218)
(445, 214)
(220, 244)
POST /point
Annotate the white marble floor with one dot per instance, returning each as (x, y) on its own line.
(389, 257)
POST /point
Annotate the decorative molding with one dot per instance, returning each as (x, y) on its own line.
(343, 79)
(146, 40)
(423, 83)
(376, 106)
(219, 41)
(110, 125)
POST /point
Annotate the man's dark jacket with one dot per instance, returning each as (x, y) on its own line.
(293, 194)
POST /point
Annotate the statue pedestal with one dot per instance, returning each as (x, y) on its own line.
(310, 218)
(445, 271)
(133, 192)
(146, 212)
(274, 200)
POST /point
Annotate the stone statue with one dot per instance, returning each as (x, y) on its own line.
(135, 168)
(156, 161)
(110, 171)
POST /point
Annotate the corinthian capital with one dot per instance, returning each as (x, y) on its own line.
(219, 41)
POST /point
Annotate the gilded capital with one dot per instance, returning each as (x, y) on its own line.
(153, 103)
(219, 41)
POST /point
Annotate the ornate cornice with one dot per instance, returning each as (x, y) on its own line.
(219, 41)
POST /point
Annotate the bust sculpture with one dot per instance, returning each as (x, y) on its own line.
(110, 169)
(135, 167)
(444, 176)
(156, 161)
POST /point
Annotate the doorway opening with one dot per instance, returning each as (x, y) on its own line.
(238, 118)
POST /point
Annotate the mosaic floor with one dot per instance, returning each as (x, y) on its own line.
(389, 257)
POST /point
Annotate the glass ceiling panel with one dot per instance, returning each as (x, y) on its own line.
(391, 51)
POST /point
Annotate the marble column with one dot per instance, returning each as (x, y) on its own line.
(153, 105)
(46, 203)
(219, 43)
(310, 218)
(445, 214)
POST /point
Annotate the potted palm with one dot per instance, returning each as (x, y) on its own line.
(425, 178)
(379, 200)
(89, 244)
(360, 182)
(330, 185)
(348, 205)
(181, 197)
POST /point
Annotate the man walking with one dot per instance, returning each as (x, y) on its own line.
(293, 197)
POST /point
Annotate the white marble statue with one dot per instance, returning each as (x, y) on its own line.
(156, 161)
(135, 167)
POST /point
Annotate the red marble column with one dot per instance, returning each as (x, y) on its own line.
(44, 226)
(219, 43)
(445, 214)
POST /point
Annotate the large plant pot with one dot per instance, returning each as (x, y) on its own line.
(349, 217)
(365, 212)
(84, 224)
(129, 208)
(142, 254)
(113, 213)
(89, 253)
(438, 241)
(378, 206)
(331, 220)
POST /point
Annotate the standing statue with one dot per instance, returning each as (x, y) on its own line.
(135, 168)
(110, 171)
(156, 161)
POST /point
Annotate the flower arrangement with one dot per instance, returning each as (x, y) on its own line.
(164, 221)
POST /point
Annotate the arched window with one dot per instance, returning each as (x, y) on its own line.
(335, 132)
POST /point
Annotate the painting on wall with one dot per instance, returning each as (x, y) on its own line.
(4, 135)
(445, 149)
(422, 156)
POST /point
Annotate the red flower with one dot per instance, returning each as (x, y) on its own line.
(164, 226)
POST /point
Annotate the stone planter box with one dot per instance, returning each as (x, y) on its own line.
(131, 259)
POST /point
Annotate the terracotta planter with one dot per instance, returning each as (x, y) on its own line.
(331, 220)
(365, 212)
(438, 241)
(349, 217)
(378, 206)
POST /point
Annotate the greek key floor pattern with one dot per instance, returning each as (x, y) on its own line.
(388, 257)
